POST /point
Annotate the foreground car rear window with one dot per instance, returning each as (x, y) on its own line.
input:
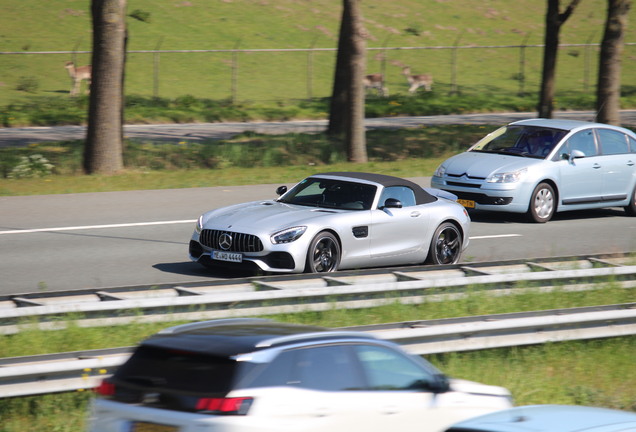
(177, 370)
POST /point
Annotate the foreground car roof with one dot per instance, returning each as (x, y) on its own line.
(550, 418)
(236, 336)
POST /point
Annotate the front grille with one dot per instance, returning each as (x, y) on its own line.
(468, 185)
(240, 242)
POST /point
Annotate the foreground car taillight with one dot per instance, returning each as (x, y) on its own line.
(105, 388)
(227, 406)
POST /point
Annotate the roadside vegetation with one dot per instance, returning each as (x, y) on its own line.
(596, 372)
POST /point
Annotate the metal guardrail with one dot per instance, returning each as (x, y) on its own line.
(273, 295)
(84, 370)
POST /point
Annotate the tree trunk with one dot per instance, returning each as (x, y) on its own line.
(339, 95)
(355, 138)
(553, 22)
(104, 138)
(346, 116)
(608, 90)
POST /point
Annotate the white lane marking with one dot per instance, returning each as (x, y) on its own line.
(87, 227)
(495, 236)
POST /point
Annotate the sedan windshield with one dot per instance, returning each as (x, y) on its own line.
(519, 140)
(327, 193)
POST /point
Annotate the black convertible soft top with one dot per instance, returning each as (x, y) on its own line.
(421, 196)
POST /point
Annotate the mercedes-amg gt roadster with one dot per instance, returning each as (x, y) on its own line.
(335, 221)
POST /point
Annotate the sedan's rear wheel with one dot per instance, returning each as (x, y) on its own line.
(323, 255)
(446, 246)
(542, 203)
(630, 209)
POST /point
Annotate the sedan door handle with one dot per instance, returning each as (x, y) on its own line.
(596, 166)
(415, 214)
(630, 163)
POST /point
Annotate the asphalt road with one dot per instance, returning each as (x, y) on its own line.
(97, 240)
(212, 131)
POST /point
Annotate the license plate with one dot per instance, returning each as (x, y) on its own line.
(227, 256)
(152, 427)
(467, 203)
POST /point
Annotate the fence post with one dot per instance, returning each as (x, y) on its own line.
(522, 66)
(586, 67)
(155, 71)
(310, 68)
(235, 72)
(454, 90)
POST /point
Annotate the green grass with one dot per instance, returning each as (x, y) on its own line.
(597, 372)
(247, 158)
(32, 26)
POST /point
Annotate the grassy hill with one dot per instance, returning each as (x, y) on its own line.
(33, 26)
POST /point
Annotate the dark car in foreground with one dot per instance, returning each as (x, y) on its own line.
(543, 166)
(332, 221)
(255, 375)
(550, 418)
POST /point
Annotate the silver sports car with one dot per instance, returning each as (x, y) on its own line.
(331, 221)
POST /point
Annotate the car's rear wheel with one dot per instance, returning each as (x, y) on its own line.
(323, 255)
(542, 203)
(446, 246)
(630, 209)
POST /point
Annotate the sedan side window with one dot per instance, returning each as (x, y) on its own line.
(402, 193)
(612, 142)
(632, 144)
(389, 370)
(584, 142)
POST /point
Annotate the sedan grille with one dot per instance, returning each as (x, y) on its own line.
(230, 241)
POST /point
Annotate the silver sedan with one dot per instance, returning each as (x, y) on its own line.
(331, 221)
(543, 166)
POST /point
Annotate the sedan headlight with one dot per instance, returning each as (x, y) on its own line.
(288, 235)
(509, 177)
(199, 226)
(440, 171)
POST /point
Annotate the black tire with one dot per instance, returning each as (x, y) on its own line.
(446, 245)
(630, 208)
(323, 255)
(542, 203)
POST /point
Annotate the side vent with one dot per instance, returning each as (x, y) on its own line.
(360, 231)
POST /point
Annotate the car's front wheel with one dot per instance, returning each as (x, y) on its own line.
(630, 209)
(542, 203)
(323, 255)
(446, 246)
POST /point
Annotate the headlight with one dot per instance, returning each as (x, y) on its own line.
(199, 226)
(509, 177)
(288, 235)
(440, 171)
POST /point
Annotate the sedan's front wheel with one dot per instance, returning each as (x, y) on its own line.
(323, 255)
(446, 246)
(542, 203)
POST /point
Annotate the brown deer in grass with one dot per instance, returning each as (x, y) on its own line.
(79, 74)
(375, 81)
(417, 81)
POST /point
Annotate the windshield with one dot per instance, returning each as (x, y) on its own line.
(325, 193)
(520, 140)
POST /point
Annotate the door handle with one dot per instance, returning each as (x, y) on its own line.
(596, 166)
(415, 214)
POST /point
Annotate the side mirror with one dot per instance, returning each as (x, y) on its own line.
(440, 385)
(280, 190)
(392, 203)
(577, 154)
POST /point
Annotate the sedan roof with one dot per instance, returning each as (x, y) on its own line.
(421, 196)
(559, 123)
(550, 418)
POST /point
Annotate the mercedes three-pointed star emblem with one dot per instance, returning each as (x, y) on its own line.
(225, 241)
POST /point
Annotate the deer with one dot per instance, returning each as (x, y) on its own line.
(417, 81)
(375, 81)
(79, 74)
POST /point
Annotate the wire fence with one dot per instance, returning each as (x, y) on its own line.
(306, 73)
